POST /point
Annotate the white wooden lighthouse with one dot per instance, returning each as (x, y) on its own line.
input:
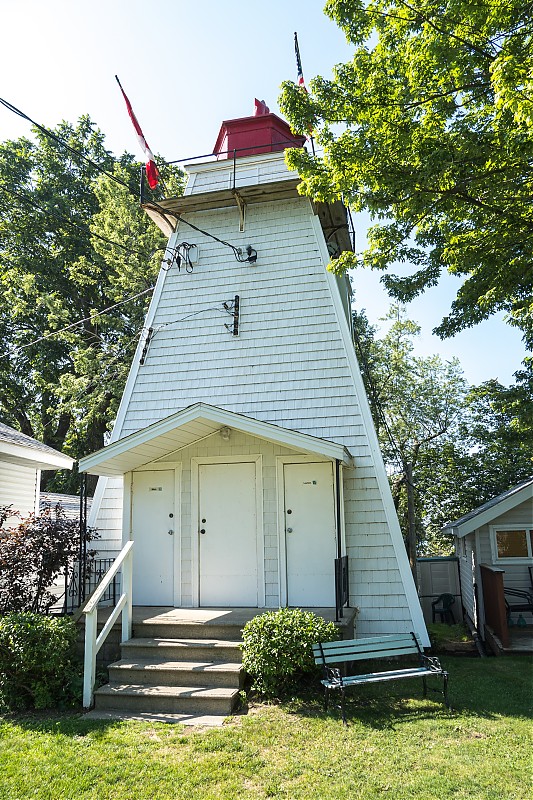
(244, 463)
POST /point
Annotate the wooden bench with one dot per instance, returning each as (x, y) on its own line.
(376, 647)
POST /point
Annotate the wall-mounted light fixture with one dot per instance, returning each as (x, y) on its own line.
(225, 433)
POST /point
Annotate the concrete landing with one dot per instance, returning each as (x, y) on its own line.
(231, 617)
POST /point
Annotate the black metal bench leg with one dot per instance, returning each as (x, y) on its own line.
(326, 699)
(424, 683)
(445, 690)
(343, 707)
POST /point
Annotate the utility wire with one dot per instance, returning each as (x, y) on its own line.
(192, 314)
(59, 140)
(108, 378)
(120, 352)
(237, 252)
(84, 229)
(81, 321)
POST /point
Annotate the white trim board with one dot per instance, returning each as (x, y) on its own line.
(415, 608)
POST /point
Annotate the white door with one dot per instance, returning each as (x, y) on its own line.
(310, 534)
(153, 528)
(227, 528)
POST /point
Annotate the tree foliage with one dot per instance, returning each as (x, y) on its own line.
(56, 269)
(417, 404)
(465, 444)
(429, 127)
(33, 554)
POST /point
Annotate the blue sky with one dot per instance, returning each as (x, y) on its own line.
(186, 66)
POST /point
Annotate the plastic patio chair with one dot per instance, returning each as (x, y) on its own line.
(443, 607)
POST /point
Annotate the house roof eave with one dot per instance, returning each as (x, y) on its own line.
(489, 511)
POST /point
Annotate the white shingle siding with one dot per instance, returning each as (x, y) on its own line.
(286, 318)
(292, 365)
(18, 488)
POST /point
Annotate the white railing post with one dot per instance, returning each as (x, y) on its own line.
(93, 642)
(89, 666)
(127, 587)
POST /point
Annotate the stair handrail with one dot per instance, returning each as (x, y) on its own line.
(93, 643)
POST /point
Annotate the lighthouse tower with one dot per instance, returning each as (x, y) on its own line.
(244, 462)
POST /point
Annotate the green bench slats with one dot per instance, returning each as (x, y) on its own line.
(384, 640)
(345, 654)
(374, 648)
(374, 677)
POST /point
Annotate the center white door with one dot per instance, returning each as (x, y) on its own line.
(153, 528)
(227, 531)
(310, 534)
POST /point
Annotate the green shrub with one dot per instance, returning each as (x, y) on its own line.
(38, 663)
(277, 648)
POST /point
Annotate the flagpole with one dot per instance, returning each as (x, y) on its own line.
(301, 82)
(152, 173)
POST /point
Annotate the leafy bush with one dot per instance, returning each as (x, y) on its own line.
(32, 555)
(38, 663)
(277, 648)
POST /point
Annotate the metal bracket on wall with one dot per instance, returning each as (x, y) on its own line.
(234, 309)
(242, 209)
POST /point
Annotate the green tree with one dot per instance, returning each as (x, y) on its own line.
(492, 452)
(55, 270)
(465, 444)
(417, 405)
(429, 127)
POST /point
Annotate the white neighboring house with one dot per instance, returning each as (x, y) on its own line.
(21, 461)
(244, 460)
(498, 534)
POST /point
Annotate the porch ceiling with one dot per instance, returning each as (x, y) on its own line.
(188, 426)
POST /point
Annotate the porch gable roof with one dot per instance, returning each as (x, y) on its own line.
(190, 425)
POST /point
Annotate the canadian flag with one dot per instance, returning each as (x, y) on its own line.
(152, 175)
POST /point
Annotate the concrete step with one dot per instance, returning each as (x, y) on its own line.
(163, 649)
(187, 630)
(177, 673)
(203, 720)
(166, 699)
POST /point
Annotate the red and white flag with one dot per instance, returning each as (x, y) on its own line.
(152, 175)
(300, 78)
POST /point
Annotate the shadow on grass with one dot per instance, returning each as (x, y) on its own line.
(486, 688)
(66, 723)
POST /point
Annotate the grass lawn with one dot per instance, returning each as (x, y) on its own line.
(397, 745)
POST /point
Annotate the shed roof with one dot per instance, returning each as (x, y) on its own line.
(70, 503)
(187, 426)
(18, 448)
(491, 509)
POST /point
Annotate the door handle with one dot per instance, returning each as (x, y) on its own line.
(171, 533)
(202, 530)
(289, 530)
